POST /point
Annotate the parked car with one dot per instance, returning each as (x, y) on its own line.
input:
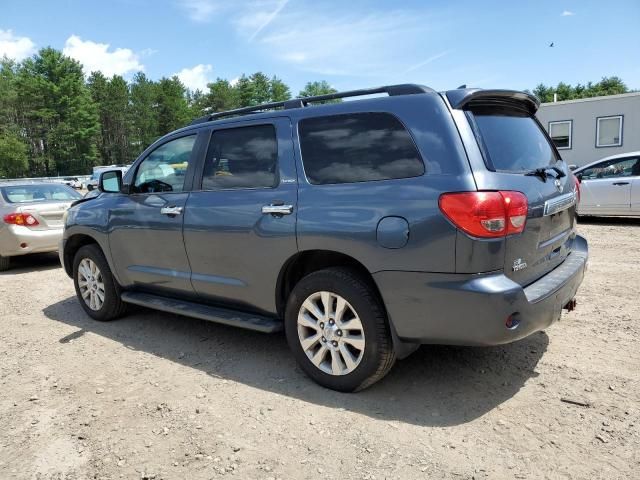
(610, 186)
(363, 228)
(31, 216)
(73, 182)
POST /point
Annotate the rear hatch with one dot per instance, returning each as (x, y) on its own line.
(519, 155)
(49, 215)
(45, 202)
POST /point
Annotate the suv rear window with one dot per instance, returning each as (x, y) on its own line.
(512, 142)
(358, 147)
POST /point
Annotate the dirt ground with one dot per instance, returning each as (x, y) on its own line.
(159, 396)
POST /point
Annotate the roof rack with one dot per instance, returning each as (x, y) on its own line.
(391, 90)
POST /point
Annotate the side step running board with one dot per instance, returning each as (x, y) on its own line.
(204, 312)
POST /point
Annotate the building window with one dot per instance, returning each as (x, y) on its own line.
(560, 133)
(609, 131)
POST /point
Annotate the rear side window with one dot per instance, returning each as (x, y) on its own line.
(357, 147)
(512, 142)
(244, 157)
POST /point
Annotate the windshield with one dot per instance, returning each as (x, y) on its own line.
(513, 142)
(39, 193)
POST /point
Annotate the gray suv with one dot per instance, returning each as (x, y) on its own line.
(362, 228)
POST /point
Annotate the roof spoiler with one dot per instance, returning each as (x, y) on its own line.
(465, 99)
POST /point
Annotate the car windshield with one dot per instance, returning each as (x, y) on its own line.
(513, 142)
(39, 193)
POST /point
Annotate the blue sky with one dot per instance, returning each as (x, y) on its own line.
(350, 43)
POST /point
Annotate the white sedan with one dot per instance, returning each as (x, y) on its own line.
(610, 186)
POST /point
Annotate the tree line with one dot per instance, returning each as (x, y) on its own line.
(55, 121)
(564, 91)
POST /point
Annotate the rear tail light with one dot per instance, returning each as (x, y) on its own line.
(25, 219)
(576, 181)
(486, 214)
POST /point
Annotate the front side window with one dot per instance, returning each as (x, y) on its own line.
(609, 131)
(513, 142)
(243, 157)
(560, 133)
(163, 170)
(624, 167)
(358, 147)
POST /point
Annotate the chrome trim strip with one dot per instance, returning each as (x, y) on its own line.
(560, 203)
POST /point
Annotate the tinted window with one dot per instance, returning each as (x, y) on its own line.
(164, 168)
(245, 157)
(624, 167)
(357, 148)
(513, 143)
(39, 193)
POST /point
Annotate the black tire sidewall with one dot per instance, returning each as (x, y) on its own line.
(110, 307)
(370, 313)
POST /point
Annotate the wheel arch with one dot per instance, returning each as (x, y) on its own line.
(71, 245)
(309, 261)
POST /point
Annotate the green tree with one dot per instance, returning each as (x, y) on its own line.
(171, 105)
(13, 155)
(322, 87)
(564, 91)
(278, 90)
(220, 97)
(57, 114)
(143, 111)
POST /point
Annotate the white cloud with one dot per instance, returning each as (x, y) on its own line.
(196, 78)
(14, 47)
(201, 10)
(97, 57)
(567, 13)
(264, 18)
(234, 81)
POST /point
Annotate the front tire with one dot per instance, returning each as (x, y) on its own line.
(96, 289)
(337, 329)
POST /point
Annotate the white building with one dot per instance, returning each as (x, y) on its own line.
(588, 129)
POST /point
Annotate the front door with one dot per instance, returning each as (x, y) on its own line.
(606, 187)
(240, 220)
(146, 225)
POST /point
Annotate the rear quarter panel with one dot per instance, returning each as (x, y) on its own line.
(344, 217)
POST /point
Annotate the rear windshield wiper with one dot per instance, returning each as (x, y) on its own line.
(543, 172)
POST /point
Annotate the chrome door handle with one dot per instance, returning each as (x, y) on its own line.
(171, 210)
(277, 209)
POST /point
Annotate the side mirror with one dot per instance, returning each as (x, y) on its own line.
(110, 181)
(572, 167)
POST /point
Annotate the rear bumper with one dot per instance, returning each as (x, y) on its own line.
(36, 241)
(460, 309)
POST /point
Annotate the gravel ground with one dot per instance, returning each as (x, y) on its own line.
(159, 396)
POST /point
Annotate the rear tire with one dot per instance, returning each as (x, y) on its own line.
(337, 329)
(5, 263)
(97, 290)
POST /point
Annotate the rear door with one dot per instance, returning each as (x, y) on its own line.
(513, 144)
(606, 187)
(240, 220)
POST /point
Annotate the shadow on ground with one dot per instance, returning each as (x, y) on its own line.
(610, 221)
(35, 262)
(436, 386)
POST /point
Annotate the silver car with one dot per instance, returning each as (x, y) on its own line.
(31, 218)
